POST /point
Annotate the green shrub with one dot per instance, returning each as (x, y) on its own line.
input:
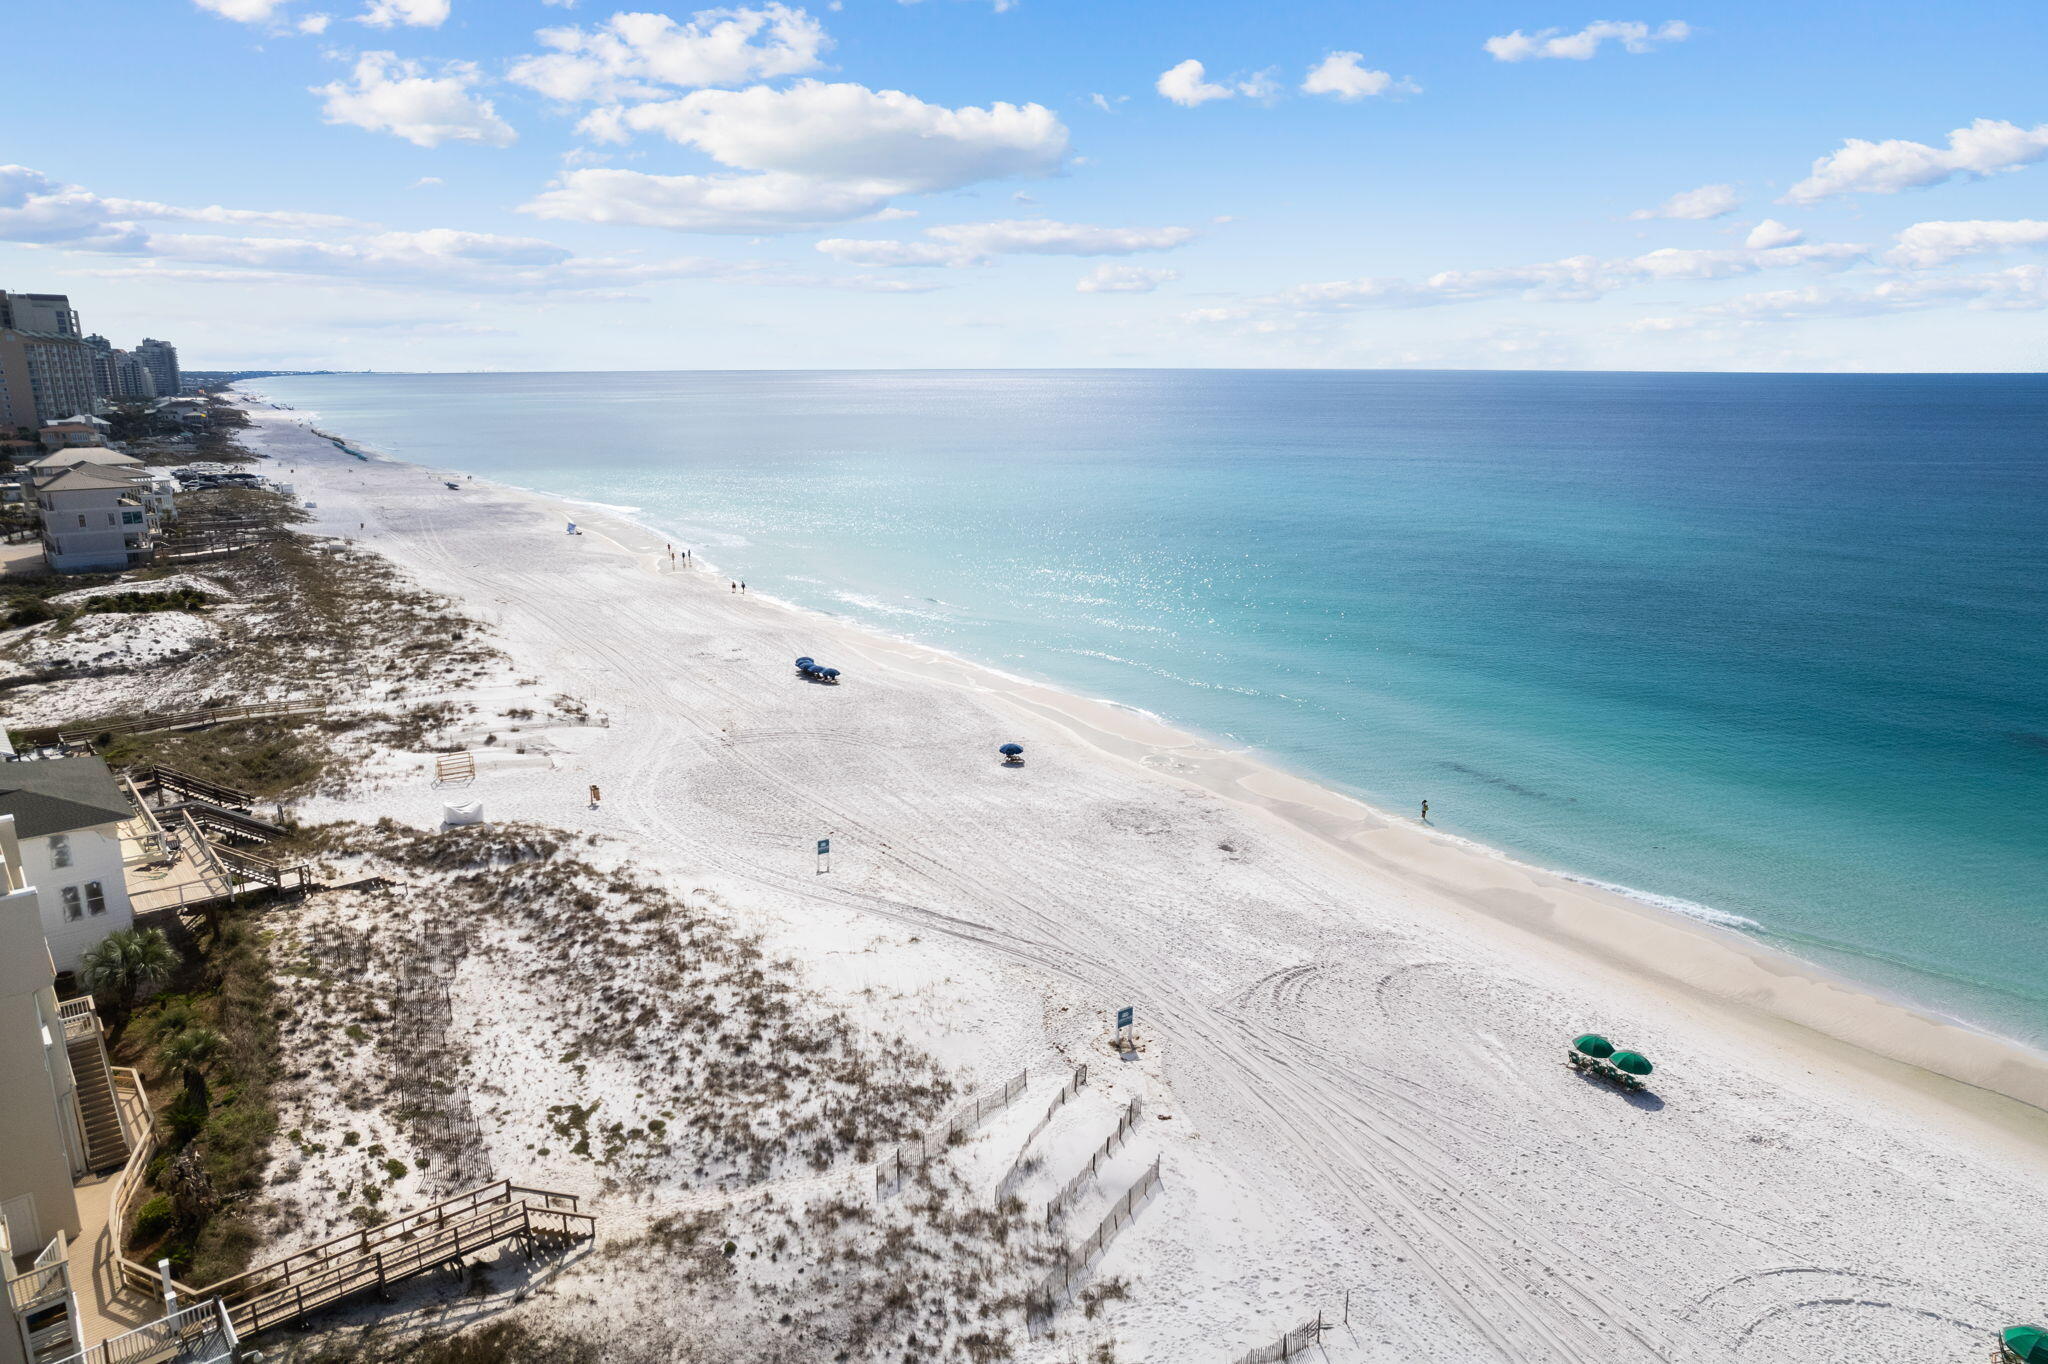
(154, 1218)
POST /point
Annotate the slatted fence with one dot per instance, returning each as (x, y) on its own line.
(1024, 1163)
(919, 1151)
(1064, 1199)
(1074, 1262)
(1291, 1344)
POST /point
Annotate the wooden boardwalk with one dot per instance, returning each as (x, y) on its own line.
(372, 1260)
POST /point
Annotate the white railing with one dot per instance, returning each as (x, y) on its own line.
(80, 1018)
(48, 1278)
(194, 1335)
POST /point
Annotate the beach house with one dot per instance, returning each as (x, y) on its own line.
(64, 1130)
(74, 431)
(78, 456)
(66, 815)
(95, 519)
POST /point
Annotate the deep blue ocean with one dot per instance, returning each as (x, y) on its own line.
(1772, 648)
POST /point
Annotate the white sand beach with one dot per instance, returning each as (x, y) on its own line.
(1351, 1028)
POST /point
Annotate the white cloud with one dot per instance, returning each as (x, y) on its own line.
(413, 13)
(387, 95)
(1771, 233)
(815, 154)
(2021, 288)
(1708, 201)
(766, 203)
(150, 211)
(959, 244)
(1986, 147)
(999, 6)
(1123, 279)
(1341, 74)
(1188, 84)
(1571, 279)
(1924, 245)
(37, 210)
(244, 11)
(40, 211)
(1552, 42)
(428, 182)
(1107, 103)
(643, 56)
(314, 23)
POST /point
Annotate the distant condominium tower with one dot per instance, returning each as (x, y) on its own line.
(47, 370)
(102, 365)
(160, 358)
(50, 314)
(130, 377)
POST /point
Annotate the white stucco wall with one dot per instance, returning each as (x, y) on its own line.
(95, 856)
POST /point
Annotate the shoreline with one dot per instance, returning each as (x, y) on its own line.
(1609, 926)
(1350, 1029)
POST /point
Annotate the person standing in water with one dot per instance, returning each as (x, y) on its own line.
(1425, 812)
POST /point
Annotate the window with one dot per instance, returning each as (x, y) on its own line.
(95, 898)
(71, 905)
(132, 518)
(81, 520)
(60, 850)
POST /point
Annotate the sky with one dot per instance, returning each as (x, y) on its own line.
(564, 185)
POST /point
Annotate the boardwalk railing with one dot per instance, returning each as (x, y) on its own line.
(1299, 1341)
(261, 870)
(376, 1257)
(1024, 1163)
(1075, 1260)
(919, 1151)
(1064, 1199)
(184, 719)
(169, 780)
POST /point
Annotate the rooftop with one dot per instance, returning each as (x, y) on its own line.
(83, 454)
(57, 795)
(87, 476)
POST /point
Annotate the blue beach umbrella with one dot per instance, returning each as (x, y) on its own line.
(1010, 750)
(828, 672)
(805, 662)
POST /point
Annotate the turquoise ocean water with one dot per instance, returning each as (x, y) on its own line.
(1771, 649)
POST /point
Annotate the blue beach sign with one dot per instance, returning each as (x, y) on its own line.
(1124, 1016)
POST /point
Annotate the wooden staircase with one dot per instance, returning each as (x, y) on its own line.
(106, 1143)
(439, 1237)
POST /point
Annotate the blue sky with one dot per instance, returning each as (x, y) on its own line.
(513, 184)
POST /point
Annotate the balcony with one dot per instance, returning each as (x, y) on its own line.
(195, 1335)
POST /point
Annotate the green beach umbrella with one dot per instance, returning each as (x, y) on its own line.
(1635, 1063)
(1594, 1045)
(2027, 1344)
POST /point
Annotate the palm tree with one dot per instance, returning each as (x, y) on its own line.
(123, 963)
(189, 1051)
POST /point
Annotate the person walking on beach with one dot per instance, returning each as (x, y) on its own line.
(594, 795)
(743, 584)
(732, 587)
(1425, 809)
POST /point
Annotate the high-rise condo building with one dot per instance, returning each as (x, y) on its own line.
(160, 358)
(47, 370)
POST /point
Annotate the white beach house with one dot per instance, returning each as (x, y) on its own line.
(67, 814)
(64, 1125)
(96, 519)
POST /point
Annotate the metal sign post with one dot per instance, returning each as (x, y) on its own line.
(824, 855)
(1124, 1016)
